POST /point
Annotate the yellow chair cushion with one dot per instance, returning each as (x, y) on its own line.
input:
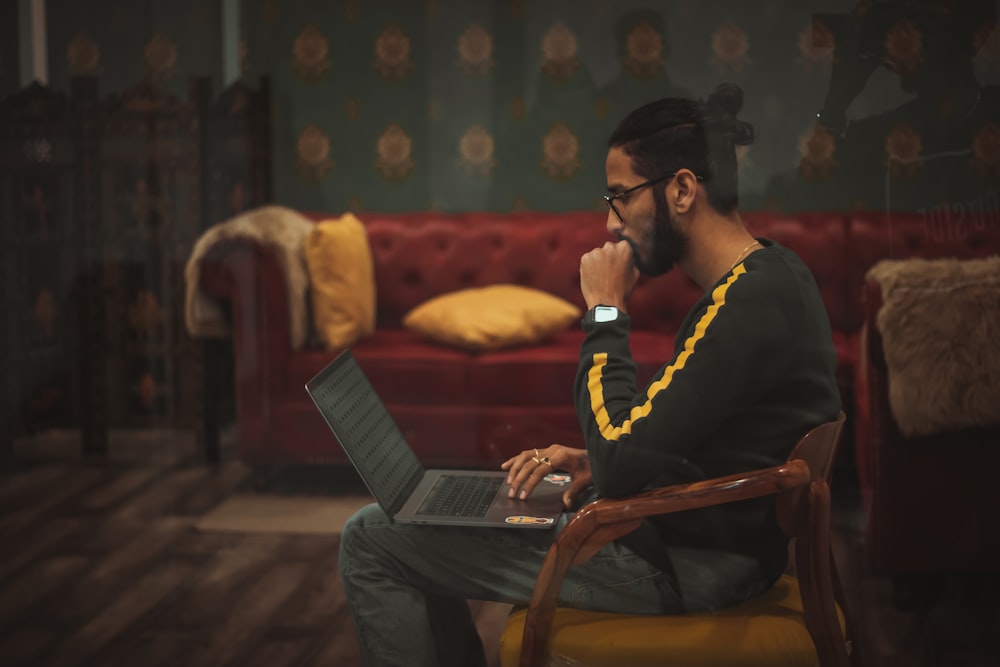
(342, 280)
(490, 318)
(768, 631)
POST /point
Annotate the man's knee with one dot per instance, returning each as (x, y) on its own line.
(355, 533)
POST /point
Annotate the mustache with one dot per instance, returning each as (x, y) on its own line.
(631, 244)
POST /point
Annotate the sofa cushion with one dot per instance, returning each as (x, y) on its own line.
(342, 281)
(491, 318)
(544, 374)
(402, 366)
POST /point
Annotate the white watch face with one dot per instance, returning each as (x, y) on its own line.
(605, 314)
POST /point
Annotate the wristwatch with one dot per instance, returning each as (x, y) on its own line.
(603, 314)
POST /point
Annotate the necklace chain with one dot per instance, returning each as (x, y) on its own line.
(740, 256)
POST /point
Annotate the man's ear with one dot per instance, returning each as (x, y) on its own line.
(685, 189)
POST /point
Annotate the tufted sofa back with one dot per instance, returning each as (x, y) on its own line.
(421, 255)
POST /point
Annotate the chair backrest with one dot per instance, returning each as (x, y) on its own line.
(804, 514)
(817, 448)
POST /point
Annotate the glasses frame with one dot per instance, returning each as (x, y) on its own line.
(610, 199)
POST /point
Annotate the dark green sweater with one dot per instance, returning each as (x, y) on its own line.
(753, 370)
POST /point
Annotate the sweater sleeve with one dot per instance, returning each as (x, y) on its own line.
(727, 356)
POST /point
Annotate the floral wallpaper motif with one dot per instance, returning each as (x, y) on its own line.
(560, 152)
(160, 56)
(476, 147)
(644, 48)
(475, 51)
(392, 54)
(559, 61)
(395, 150)
(903, 48)
(83, 56)
(313, 154)
(310, 54)
(817, 150)
(903, 147)
(815, 44)
(986, 153)
(730, 49)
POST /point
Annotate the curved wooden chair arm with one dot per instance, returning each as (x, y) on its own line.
(603, 521)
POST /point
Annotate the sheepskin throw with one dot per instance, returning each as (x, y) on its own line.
(939, 323)
(282, 229)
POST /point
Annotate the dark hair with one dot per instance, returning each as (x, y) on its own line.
(676, 133)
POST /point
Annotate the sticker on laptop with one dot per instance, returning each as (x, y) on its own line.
(530, 520)
(558, 478)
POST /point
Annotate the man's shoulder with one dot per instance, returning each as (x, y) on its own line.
(776, 267)
(775, 277)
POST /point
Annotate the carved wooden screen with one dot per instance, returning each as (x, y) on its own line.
(101, 202)
(42, 229)
(149, 172)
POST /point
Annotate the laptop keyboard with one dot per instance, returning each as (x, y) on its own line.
(460, 495)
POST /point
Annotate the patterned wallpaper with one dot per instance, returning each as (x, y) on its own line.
(506, 104)
(126, 41)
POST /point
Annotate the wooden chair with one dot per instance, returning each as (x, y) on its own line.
(794, 623)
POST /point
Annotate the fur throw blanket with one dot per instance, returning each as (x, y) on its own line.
(939, 322)
(280, 228)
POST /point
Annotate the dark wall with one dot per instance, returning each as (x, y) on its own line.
(10, 64)
(506, 104)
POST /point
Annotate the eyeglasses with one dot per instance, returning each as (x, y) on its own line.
(610, 199)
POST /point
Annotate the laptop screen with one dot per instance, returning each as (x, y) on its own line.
(366, 430)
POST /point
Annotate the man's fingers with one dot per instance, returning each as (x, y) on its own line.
(533, 478)
(519, 472)
(579, 484)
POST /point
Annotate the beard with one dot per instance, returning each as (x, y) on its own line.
(667, 244)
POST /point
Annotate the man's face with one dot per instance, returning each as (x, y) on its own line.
(645, 223)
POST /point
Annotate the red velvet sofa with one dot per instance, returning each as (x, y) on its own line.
(458, 408)
(463, 409)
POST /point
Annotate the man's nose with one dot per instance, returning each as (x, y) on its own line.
(614, 224)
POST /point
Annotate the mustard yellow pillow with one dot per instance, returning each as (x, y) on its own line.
(342, 280)
(490, 318)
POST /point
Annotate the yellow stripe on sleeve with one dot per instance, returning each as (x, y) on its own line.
(600, 360)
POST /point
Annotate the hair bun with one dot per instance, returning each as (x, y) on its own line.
(720, 114)
(727, 100)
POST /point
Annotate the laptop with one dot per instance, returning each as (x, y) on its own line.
(406, 491)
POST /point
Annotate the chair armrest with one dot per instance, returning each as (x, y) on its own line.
(605, 520)
(627, 512)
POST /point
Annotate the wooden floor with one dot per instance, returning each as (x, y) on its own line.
(100, 566)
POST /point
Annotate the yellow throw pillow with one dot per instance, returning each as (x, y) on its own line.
(490, 318)
(342, 280)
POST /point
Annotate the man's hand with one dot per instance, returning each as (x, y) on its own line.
(607, 275)
(530, 467)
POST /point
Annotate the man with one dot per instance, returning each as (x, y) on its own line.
(753, 370)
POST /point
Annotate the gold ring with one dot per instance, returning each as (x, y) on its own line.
(536, 460)
(545, 460)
